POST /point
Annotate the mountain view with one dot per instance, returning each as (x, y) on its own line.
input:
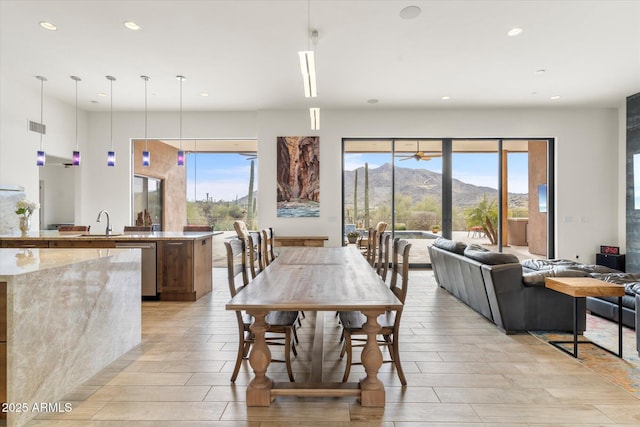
(418, 183)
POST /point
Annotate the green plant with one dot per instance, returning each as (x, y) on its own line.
(353, 234)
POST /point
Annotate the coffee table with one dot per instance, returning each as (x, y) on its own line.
(582, 287)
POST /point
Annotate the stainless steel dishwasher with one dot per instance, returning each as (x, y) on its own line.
(148, 260)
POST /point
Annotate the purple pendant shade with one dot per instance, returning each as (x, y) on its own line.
(111, 158)
(76, 158)
(41, 159)
(146, 158)
(180, 158)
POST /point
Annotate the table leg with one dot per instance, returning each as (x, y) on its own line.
(620, 327)
(575, 327)
(371, 388)
(259, 389)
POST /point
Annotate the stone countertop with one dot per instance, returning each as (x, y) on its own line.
(132, 236)
(14, 262)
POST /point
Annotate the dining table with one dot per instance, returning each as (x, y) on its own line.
(316, 279)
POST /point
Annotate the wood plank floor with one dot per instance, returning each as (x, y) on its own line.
(462, 371)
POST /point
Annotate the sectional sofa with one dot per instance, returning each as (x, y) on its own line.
(493, 284)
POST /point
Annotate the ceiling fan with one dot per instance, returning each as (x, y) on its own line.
(250, 155)
(421, 155)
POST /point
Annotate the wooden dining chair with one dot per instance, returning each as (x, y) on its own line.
(268, 255)
(281, 323)
(138, 228)
(197, 227)
(382, 259)
(65, 228)
(353, 321)
(256, 265)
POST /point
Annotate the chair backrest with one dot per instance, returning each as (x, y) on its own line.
(372, 246)
(197, 227)
(267, 246)
(382, 262)
(254, 253)
(241, 229)
(236, 265)
(400, 269)
(74, 228)
(143, 228)
(381, 227)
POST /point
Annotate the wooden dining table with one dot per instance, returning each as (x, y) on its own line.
(316, 279)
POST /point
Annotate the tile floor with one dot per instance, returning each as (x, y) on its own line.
(462, 371)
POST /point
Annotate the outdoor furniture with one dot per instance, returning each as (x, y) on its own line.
(197, 227)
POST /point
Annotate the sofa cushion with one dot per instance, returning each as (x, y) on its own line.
(536, 278)
(489, 257)
(450, 245)
(546, 264)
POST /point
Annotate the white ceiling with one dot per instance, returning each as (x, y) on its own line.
(244, 53)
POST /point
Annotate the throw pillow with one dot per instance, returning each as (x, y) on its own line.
(488, 257)
(450, 245)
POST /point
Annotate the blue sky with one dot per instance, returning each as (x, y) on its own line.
(225, 176)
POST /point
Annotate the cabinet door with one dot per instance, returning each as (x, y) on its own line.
(18, 243)
(82, 242)
(175, 266)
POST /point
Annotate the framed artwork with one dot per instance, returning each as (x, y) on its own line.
(298, 176)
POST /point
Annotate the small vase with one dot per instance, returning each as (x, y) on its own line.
(25, 224)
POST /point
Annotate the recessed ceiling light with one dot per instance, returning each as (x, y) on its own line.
(515, 31)
(204, 94)
(410, 12)
(132, 25)
(444, 98)
(554, 97)
(93, 101)
(102, 94)
(540, 71)
(534, 93)
(372, 101)
(48, 25)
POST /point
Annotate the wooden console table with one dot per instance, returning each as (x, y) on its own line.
(312, 241)
(582, 287)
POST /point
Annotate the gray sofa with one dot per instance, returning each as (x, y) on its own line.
(494, 285)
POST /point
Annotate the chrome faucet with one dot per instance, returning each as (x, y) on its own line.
(108, 230)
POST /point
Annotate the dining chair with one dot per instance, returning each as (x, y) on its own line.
(197, 227)
(382, 261)
(353, 321)
(256, 264)
(140, 228)
(268, 255)
(281, 323)
(65, 228)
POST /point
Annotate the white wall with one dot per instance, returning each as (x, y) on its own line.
(588, 153)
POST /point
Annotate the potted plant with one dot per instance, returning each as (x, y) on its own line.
(352, 236)
(435, 228)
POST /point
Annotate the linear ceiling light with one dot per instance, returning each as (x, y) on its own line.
(314, 115)
(308, 69)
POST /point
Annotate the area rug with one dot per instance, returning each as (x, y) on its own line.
(623, 372)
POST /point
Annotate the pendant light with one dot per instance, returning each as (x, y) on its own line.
(111, 155)
(41, 157)
(146, 157)
(180, 152)
(76, 152)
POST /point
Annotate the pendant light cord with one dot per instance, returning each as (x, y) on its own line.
(42, 79)
(76, 115)
(111, 114)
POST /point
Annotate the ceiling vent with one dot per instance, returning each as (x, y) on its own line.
(37, 127)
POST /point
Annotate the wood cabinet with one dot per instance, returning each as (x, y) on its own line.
(18, 243)
(184, 269)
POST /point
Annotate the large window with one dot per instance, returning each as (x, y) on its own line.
(222, 188)
(472, 190)
(147, 201)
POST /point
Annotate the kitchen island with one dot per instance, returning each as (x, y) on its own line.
(178, 264)
(65, 314)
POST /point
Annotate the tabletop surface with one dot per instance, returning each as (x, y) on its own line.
(584, 286)
(317, 279)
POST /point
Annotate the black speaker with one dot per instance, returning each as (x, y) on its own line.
(611, 261)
